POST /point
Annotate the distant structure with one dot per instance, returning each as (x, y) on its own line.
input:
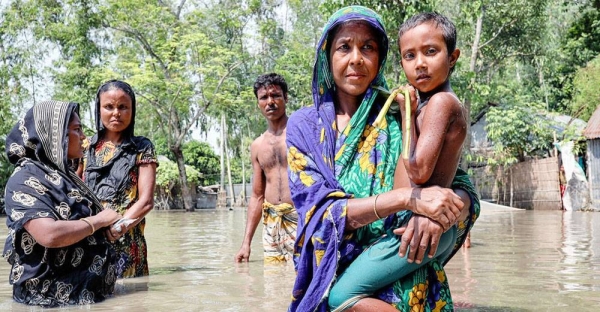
(592, 135)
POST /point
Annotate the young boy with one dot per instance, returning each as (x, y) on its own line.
(437, 125)
(437, 128)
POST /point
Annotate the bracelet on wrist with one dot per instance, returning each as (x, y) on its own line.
(375, 207)
(86, 220)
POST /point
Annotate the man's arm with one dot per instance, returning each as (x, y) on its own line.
(255, 206)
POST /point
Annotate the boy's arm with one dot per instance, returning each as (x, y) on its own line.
(426, 146)
(255, 206)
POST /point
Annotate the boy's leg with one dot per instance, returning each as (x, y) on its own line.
(379, 266)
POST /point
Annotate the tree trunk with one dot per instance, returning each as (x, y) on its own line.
(230, 184)
(222, 195)
(512, 191)
(467, 103)
(222, 181)
(242, 201)
(185, 190)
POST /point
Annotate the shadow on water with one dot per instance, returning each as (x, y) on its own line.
(171, 270)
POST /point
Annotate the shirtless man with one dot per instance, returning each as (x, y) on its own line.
(271, 197)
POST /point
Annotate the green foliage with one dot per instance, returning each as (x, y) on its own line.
(518, 128)
(586, 95)
(167, 174)
(579, 45)
(6, 169)
(201, 156)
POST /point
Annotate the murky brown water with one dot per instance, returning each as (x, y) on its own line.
(519, 261)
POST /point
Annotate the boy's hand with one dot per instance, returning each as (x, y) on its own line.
(413, 99)
(421, 234)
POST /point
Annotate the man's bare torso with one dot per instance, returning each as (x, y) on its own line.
(272, 157)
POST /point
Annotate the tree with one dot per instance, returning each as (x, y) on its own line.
(579, 45)
(518, 129)
(178, 69)
(586, 94)
(167, 183)
(201, 156)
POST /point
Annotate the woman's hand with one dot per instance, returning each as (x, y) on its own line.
(108, 217)
(420, 233)
(439, 204)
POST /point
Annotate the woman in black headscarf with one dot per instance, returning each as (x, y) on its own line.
(57, 253)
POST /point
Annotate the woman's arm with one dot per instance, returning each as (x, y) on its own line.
(145, 202)
(52, 233)
(421, 232)
(440, 204)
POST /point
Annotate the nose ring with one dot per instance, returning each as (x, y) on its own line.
(361, 61)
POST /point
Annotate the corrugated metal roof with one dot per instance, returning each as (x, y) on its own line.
(592, 131)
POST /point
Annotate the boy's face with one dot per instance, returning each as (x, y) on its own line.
(424, 57)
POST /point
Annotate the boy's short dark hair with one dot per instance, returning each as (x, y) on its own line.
(439, 20)
(271, 79)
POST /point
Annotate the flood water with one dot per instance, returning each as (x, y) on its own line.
(519, 261)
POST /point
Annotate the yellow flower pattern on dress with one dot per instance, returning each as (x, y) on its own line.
(366, 164)
(441, 276)
(340, 152)
(417, 297)
(300, 241)
(310, 213)
(306, 179)
(319, 256)
(439, 305)
(369, 139)
(296, 160)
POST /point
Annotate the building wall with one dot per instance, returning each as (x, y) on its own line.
(532, 184)
(593, 171)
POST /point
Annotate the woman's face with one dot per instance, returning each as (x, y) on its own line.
(76, 137)
(115, 110)
(354, 56)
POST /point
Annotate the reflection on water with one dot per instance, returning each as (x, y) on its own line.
(529, 261)
(519, 261)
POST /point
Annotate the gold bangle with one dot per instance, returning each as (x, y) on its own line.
(86, 220)
(375, 207)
